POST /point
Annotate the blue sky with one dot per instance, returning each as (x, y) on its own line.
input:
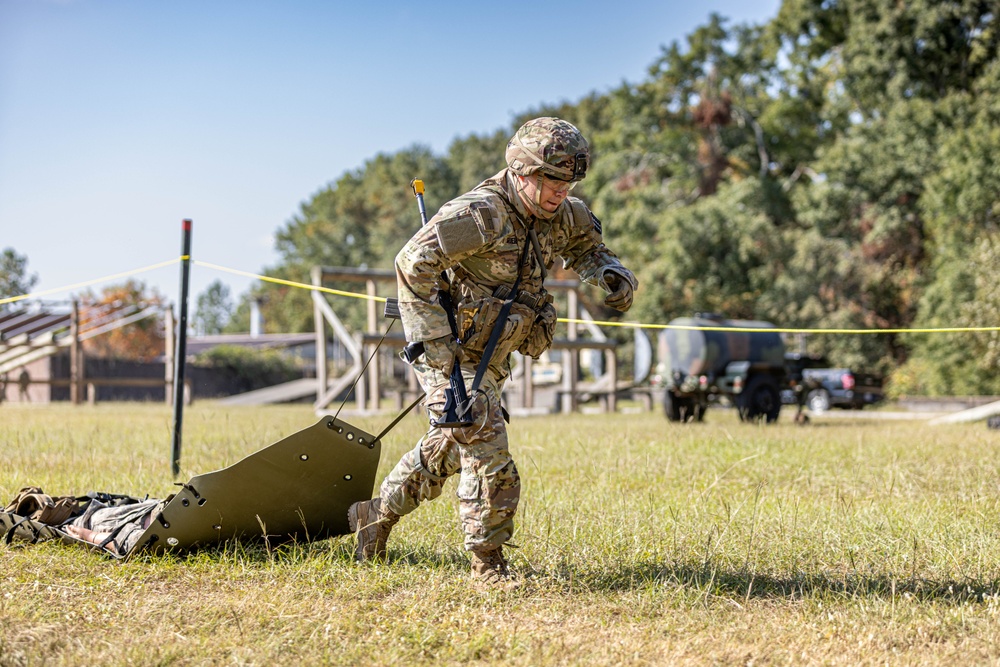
(120, 118)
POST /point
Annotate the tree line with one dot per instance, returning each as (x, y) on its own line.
(830, 168)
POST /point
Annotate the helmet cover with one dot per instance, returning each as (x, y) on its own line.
(551, 146)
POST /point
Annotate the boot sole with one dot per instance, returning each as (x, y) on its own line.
(352, 517)
(353, 523)
(359, 518)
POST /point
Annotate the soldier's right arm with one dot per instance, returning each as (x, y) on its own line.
(460, 229)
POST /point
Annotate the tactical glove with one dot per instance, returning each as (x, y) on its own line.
(440, 353)
(621, 284)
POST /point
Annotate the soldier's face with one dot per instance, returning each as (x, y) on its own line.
(551, 194)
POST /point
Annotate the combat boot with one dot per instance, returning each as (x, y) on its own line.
(489, 570)
(372, 523)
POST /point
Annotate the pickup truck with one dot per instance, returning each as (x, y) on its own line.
(841, 388)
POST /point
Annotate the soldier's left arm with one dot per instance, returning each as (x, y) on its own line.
(583, 249)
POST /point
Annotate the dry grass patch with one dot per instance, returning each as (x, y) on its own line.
(641, 542)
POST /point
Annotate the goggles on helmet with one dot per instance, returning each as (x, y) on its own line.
(558, 186)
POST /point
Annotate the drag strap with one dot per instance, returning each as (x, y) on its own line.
(395, 421)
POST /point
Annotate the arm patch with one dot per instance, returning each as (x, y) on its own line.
(597, 223)
(583, 216)
(470, 230)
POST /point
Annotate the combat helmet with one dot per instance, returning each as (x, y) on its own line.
(550, 146)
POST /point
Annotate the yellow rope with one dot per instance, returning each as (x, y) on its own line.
(33, 295)
(632, 325)
(565, 320)
(684, 327)
(291, 283)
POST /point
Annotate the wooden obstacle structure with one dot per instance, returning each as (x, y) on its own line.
(369, 390)
(33, 333)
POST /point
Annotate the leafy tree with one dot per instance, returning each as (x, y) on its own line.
(214, 309)
(142, 340)
(14, 277)
(832, 168)
(361, 220)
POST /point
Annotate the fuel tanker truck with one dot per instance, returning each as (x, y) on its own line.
(704, 363)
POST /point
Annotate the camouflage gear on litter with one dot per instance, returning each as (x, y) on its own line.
(550, 146)
(488, 486)
(479, 239)
(125, 523)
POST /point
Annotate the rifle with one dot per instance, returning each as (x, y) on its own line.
(457, 406)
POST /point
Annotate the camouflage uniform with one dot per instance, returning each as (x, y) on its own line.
(479, 240)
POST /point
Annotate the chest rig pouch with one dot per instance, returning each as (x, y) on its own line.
(477, 318)
(530, 320)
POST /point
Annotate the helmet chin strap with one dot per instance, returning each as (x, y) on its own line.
(534, 204)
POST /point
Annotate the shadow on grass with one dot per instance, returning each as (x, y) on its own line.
(737, 585)
(747, 585)
(340, 549)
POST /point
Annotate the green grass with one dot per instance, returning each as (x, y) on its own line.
(641, 542)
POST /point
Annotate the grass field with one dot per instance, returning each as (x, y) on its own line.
(641, 542)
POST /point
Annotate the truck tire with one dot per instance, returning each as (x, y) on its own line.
(760, 400)
(818, 400)
(671, 406)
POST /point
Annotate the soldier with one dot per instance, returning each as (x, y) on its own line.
(500, 238)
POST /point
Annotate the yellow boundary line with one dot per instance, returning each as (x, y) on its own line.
(603, 323)
(290, 283)
(12, 299)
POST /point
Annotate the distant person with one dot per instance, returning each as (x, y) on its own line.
(500, 238)
(24, 383)
(3, 387)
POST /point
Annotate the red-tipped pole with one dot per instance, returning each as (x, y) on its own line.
(180, 357)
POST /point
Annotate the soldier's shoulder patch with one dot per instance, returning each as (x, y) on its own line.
(582, 215)
(597, 223)
(468, 227)
(487, 218)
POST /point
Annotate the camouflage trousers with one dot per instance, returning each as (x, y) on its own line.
(488, 485)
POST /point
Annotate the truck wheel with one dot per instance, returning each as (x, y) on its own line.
(818, 400)
(687, 409)
(760, 400)
(671, 407)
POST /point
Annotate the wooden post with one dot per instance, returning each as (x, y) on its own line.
(361, 390)
(75, 357)
(612, 359)
(168, 356)
(320, 326)
(374, 388)
(571, 358)
(528, 384)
